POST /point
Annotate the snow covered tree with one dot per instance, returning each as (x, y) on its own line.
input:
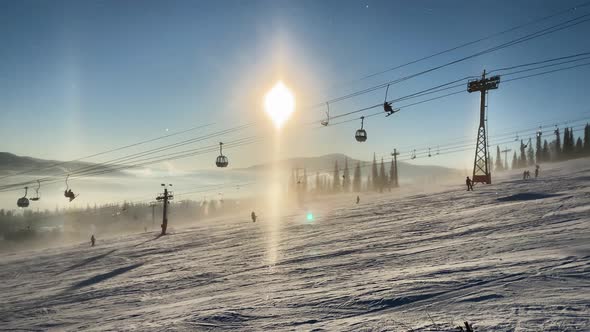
(336, 179)
(499, 164)
(356, 182)
(346, 177)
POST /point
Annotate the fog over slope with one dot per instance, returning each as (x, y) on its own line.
(115, 183)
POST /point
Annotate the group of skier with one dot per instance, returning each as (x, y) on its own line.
(525, 175)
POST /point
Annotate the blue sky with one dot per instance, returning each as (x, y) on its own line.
(78, 77)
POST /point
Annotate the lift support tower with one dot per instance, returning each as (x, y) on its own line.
(481, 166)
(165, 197)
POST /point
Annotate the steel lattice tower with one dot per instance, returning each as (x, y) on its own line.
(481, 166)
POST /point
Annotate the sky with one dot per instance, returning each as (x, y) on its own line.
(81, 77)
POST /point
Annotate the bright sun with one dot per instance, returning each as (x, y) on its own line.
(279, 104)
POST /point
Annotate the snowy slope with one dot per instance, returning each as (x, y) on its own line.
(512, 256)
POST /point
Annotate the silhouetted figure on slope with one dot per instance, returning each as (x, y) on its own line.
(469, 184)
(358, 199)
(524, 175)
(537, 171)
(253, 216)
(92, 240)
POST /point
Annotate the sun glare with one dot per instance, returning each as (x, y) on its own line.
(279, 104)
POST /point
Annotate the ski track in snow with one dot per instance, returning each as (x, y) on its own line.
(512, 256)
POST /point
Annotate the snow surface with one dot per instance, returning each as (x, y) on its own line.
(512, 256)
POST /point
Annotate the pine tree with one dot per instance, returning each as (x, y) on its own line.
(572, 142)
(587, 139)
(392, 176)
(522, 160)
(382, 177)
(546, 154)
(566, 143)
(506, 162)
(557, 145)
(292, 182)
(539, 152)
(579, 147)
(531, 153)
(515, 163)
(304, 180)
(346, 177)
(375, 174)
(356, 182)
(336, 179)
(499, 164)
(318, 185)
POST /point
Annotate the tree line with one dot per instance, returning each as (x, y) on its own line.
(558, 149)
(342, 181)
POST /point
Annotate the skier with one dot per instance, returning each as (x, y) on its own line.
(537, 171)
(253, 216)
(469, 184)
(69, 194)
(358, 199)
(524, 175)
(92, 240)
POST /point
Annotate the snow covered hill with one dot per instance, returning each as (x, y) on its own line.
(512, 256)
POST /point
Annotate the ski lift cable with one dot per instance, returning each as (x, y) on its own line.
(211, 188)
(438, 97)
(6, 187)
(447, 95)
(542, 62)
(536, 34)
(151, 151)
(430, 90)
(554, 28)
(544, 18)
(149, 161)
(111, 150)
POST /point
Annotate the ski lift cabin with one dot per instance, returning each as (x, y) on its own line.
(221, 160)
(361, 134)
(23, 202)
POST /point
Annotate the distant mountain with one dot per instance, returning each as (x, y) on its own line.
(325, 164)
(13, 164)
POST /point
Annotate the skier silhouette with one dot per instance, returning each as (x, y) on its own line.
(253, 216)
(92, 240)
(69, 194)
(537, 171)
(469, 184)
(358, 199)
